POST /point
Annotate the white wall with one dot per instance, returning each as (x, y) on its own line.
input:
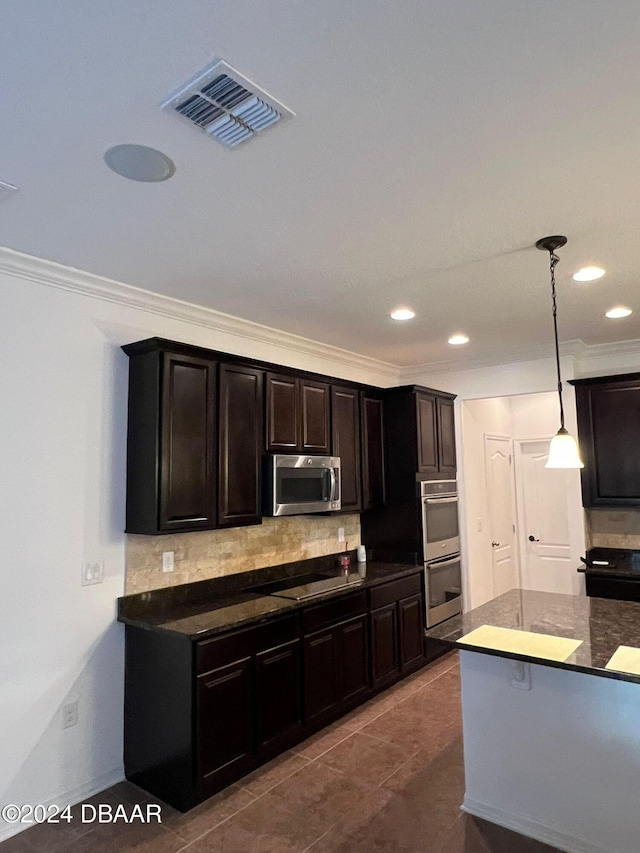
(62, 468)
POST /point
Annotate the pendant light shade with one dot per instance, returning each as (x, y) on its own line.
(563, 450)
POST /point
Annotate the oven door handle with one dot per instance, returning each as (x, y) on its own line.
(441, 500)
(433, 564)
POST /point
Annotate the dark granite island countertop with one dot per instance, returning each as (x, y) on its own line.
(204, 608)
(601, 624)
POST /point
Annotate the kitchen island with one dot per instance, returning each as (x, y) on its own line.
(550, 721)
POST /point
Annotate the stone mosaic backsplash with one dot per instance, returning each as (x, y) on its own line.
(215, 553)
(613, 528)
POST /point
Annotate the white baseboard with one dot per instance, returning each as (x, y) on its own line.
(70, 797)
(530, 828)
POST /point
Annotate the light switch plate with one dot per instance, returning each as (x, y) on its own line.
(92, 572)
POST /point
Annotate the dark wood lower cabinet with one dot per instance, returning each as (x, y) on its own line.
(224, 709)
(201, 714)
(410, 611)
(278, 697)
(321, 691)
(384, 645)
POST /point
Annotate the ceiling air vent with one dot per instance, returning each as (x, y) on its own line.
(226, 106)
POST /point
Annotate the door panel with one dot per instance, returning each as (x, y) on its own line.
(384, 645)
(502, 513)
(283, 414)
(410, 610)
(240, 459)
(224, 718)
(321, 688)
(315, 417)
(427, 437)
(373, 494)
(354, 658)
(346, 443)
(188, 441)
(547, 564)
(446, 439)
(278, 693)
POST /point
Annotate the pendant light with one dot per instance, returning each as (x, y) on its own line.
(563, 450)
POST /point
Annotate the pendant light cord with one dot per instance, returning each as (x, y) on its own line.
(553, 261)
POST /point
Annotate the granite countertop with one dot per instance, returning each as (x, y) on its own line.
(625, 563)
(202, 609)
(601, 624)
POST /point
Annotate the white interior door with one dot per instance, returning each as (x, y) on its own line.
(545, 535)
(502, 513)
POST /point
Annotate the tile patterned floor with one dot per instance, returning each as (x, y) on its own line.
(387, 778)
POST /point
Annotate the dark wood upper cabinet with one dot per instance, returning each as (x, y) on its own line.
(427, 434)
(283, 413)
(315, 435)
(345, 407)
(373, 493)
(446, 438)
(608, 417)
(172, 442)
(297, 415)
(240, 446)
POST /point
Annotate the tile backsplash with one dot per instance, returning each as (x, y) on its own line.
(613, 528)
(214, 553)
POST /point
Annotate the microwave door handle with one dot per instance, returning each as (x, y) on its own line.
(441, 500)
(334, 484)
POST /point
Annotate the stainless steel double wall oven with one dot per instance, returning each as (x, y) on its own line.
(441, 550)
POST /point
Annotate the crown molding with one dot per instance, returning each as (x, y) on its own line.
(84, 283)
(573, 349)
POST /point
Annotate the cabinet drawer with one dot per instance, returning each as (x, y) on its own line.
(220, 651)
(394, 590)
(316, 617)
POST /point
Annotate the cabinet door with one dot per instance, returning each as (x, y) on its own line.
(354, 659)
(283, 413)
(384, 645)
(321, 674)
(446, 439)
(224, 716)
(372, 453)
(608, 418)
(410, 611)
(345, 408)
(427, 434)
(187, 443)
(240, 449)
(278, 699)
(315, 417)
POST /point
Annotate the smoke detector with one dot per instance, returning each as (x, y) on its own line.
(226, 105)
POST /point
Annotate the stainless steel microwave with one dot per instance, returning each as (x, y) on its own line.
(297, 485)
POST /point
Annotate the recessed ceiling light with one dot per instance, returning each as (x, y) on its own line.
(139, 163)
(402, 314)
(618, 312)
(588, 274)
(458, 340)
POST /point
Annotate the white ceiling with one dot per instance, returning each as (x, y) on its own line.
(434, 142)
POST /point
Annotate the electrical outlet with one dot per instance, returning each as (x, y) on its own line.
(70, 714)
(341, 534)
(167, 561)
(92, 572)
